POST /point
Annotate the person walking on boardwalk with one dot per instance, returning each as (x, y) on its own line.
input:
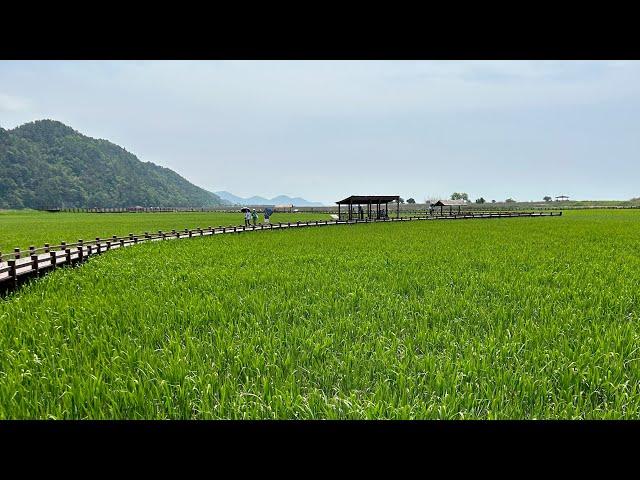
(247, 217)
(254, 216)
(267, 214)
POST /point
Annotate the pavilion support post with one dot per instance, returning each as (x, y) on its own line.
(398, 209)
(338, 212)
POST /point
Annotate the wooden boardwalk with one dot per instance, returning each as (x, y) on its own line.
(20, 265)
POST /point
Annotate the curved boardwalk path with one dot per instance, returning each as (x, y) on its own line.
(21, 265)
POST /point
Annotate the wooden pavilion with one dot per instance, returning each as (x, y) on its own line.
(369, 202)
(450, 204)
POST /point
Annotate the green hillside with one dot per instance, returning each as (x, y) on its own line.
(48, 164)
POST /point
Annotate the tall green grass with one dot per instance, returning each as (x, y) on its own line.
(22, 228)
(509, 318)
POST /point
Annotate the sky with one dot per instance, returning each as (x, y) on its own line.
(324, 130)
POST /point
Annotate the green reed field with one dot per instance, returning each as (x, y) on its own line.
(508, 318)
(22, 228)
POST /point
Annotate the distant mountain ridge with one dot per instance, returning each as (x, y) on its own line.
(47, 164)
(257, 200)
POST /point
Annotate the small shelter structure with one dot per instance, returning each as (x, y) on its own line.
(284, 208)
(449, 203)
(368, 202)
(562, 198)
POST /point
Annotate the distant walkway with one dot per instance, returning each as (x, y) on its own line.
(20, 265)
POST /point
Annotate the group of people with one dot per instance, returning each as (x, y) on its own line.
(252, 216)
(382, 213)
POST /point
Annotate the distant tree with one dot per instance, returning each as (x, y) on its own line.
(410, 200)
(459, 196)
(480, 200)
(401, 200)
(510, 200)
(493, 201)
(547, 198)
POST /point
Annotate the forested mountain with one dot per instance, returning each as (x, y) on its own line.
(47, 164)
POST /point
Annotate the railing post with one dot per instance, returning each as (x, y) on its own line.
(80, 253)
(46, 248)
(34, 264)
(53, 258)
(98, 246)
(68, 256)
(13, 272)
(16, 253)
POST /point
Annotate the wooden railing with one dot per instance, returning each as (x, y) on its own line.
(19, 265)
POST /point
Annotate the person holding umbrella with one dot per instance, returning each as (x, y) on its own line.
(267, 214)
(247, 216)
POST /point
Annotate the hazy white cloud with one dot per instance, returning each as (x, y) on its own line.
(11, 103)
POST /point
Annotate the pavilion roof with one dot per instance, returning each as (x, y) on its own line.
(449, 203)
(366, 199)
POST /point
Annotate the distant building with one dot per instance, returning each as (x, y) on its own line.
(283, 208)
(562, 198)
(449, 203)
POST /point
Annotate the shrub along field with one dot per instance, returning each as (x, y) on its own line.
(22, 228)
(504, 318)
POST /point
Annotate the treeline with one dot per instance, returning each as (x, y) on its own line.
(46, 164)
